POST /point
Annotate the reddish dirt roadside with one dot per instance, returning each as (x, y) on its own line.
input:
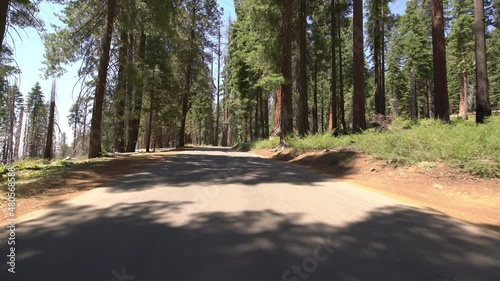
(428, 185)
(72, 182)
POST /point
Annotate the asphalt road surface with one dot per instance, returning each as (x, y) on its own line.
(213, 214)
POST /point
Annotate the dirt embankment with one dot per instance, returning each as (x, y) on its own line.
(431, 185)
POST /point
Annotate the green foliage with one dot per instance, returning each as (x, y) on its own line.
(269, 143)
(316, 142)
(397, 85)
(37, 122)
(253, 60)
(493, 56)
(23, 14)
(76, 39)
(409, 50)
(460, 49)
(462, 144)
(31, 172)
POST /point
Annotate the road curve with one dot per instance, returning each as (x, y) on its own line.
(211, 214)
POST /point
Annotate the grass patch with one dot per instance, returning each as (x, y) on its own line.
(34, 175)
(462, 144)
(317, 142)
(258, 144)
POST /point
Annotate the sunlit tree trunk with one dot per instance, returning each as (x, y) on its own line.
(441, 103)
(315, 97)
(18, 133)
(358, 100)
(378, 53)
(341, 80)
(225, 125)
(283, 121)
(463, 108)
(302, 118)
(50, 130)
(210, 113)
(96, 123)
(120, 94)
(332, 122)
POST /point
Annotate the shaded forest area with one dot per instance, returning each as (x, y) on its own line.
(165, 73)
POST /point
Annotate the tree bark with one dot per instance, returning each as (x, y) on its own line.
(216, 135)
(377, 57)
(414, 100)
(184, 106)
(84, 130)
(209, 139)
(187, 88)
(322, 115)
(4, 12)
(134, 122)
(257, 119)
(26, 136)
(303, 116)
(382, 55)
(150, 124)
(463, 108)
(278, 104)
(120, 94)
(266, 117)
(50, 130)
(483, 108)
(315, 97)
(261, 110)
(358, 100)
(225, 124)
(427, 101)
(441, 102)
(332, 124)
(283, 121)
(341, 81)
(33, 133)
(9, 151)
(250, 123)
(96, 123)
(18, 133)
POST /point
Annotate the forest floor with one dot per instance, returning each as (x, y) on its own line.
(49, 184)
(428, 184)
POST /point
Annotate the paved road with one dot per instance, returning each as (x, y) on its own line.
(212, 214)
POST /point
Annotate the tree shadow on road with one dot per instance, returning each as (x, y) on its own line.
(215, 169)
(148, 241)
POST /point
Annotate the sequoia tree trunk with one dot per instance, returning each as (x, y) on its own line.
(441, 102)
(96, 123)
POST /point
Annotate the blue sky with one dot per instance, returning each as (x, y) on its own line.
(29, 50)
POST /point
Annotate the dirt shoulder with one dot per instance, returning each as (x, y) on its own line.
(72, 181)
(429, 185)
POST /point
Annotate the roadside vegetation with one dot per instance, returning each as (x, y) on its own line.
(35, 175)
(461, 144)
